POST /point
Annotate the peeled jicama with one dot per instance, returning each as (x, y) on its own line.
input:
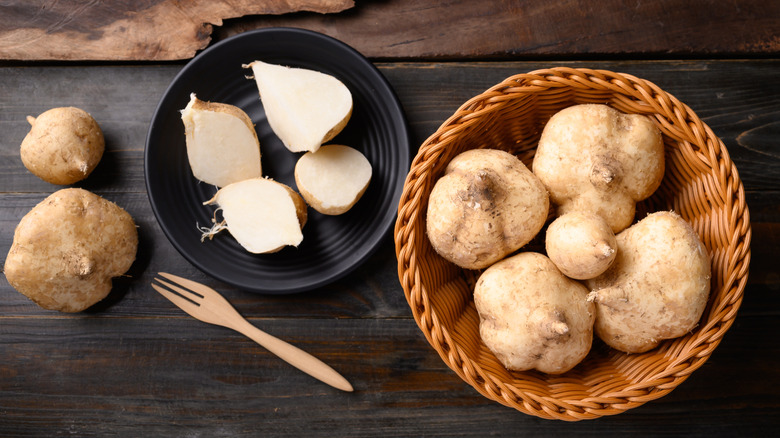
(222, 145)
(263, 215)
(305, 108)
(332, 179)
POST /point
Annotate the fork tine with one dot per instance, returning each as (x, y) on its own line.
(179, 301)
(194, 286)
(193, 297)
(198, 300)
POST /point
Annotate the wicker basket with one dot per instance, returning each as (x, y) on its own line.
(701, 183)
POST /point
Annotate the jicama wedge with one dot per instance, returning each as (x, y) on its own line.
(332, 179)
(305, 108)
(263, 215)
(222, 145)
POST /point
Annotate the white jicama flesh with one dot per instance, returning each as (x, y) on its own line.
(263, 215)
(332, 179)
(305, 108)
(222, 145)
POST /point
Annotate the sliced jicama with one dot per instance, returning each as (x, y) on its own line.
(222, 145)
(263, 215)
(305, 108)
(333, 178)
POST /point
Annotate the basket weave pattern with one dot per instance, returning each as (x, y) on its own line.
(701, 184)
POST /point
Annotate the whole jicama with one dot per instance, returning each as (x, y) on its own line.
(68, 248)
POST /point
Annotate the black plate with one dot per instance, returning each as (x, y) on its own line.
(332, 246)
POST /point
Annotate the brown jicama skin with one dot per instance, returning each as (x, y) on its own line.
(64, 145)
(656, 289)
(595, 159)
(532, 316)
(67, 249)
(486, 206)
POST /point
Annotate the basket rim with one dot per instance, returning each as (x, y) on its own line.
(680, 124)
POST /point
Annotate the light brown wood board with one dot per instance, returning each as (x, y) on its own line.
(153, 30)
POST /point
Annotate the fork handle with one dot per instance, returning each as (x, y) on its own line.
(294, 356)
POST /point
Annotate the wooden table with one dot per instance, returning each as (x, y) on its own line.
(134, 364)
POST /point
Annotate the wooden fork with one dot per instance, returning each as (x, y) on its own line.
(207, 305)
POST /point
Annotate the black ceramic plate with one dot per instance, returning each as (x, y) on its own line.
(333, 246)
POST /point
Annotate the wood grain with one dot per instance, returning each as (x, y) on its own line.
(401, 29)
(464, 29)
(135, 363)
(113, 30)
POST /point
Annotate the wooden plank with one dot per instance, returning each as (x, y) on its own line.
(114, 30)
(174, 376)
(736, 98)
(572, 28)
(403, 29)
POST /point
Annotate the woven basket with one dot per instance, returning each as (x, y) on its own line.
(701, 184)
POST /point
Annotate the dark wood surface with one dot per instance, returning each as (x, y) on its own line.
(399, 29)
(134, 364)
(580, 28)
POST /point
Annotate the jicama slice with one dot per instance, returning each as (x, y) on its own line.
(332, 179)
(305, 108)
(263, 215)
(222, 145)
